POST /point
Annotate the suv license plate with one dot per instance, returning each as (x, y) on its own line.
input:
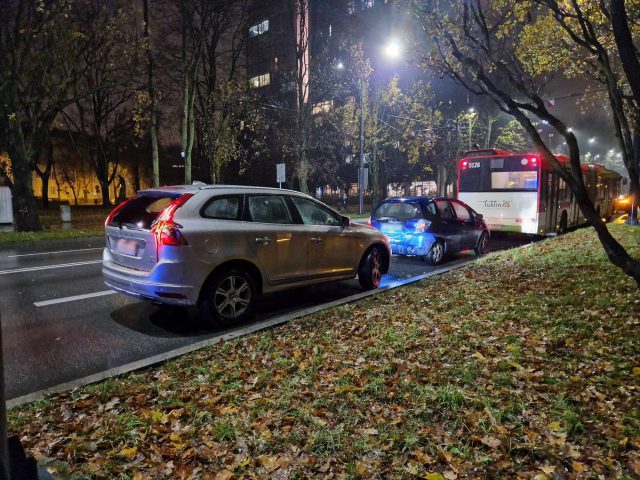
(126, 247)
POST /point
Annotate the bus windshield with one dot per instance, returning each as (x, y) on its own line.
(513, 173)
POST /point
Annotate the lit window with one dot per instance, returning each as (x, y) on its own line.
(351, 7)
(367, 3)
(260, 80)
(322, 107)
(259, 28)
(329, 30)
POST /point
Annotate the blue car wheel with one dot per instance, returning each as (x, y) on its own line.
(436, 253)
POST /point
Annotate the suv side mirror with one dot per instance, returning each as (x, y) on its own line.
(479, 216)
(345, 221)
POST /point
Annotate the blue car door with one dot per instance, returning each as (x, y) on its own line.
(466, 225)
(446, 226)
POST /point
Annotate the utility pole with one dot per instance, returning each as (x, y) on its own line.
(361, 167)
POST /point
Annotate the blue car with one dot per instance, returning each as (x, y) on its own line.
(430, 227)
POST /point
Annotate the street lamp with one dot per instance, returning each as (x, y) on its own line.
(393, 49)
(592, 140)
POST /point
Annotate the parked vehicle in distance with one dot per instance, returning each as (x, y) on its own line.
(622, 204)
(524, 193)
(219, 247)
(430, 227)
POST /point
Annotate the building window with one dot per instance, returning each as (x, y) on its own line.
(260, 80)
(329, 30)
(259, 28)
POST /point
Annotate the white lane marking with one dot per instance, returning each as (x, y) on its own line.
(52, 253)
(48, 267)
(44, 303)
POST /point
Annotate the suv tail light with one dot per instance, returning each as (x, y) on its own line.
(369, 221)
(422, 225)
(167, 232)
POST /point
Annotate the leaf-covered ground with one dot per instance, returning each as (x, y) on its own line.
(525, 364)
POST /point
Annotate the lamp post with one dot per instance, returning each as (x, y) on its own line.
(471, 112)
(393, 50)
(361, 166)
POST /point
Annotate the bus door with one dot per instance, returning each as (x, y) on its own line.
(549, 197)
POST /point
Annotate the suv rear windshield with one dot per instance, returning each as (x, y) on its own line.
(141, 211)
(398, 211)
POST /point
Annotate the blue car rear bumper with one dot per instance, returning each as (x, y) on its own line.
(415, 244)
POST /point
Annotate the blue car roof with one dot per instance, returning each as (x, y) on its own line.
(412, 198)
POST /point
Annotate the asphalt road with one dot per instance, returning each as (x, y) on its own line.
(61, 323)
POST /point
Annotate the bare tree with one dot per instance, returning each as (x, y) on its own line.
(100, 120)
(40, 43)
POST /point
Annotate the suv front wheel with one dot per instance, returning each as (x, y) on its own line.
(228, 297)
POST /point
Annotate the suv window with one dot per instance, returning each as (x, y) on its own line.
(444, 209)
(142, 210)
(314, 214)
(269, 209)
(400, 211)
(224, 208)
(461, 211)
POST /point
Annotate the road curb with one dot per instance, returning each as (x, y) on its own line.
(223, 337)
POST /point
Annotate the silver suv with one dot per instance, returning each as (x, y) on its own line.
(220, 247)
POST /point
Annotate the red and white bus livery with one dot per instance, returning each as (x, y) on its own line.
(523, 193)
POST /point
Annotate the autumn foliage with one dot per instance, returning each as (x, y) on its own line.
(522, 365)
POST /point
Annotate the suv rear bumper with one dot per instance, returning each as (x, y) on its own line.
(141, 285)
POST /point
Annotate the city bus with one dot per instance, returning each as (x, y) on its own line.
(523, 193)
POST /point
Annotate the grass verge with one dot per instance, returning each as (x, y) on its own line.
(7, 238)
(87, 221)
(525, 364)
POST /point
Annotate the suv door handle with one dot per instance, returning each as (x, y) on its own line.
(263, 240)
(316, 240)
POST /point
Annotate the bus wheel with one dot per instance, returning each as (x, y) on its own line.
(482, 248)
(563, 223)
(436, 253)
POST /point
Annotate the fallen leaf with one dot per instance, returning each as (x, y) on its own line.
(548, 469)
(269, 462)
(444, 456)
(577, 467)
(450, 475)
(423, 457)
(434, 476)
(223, 475)
(128, 452)
(491, 442)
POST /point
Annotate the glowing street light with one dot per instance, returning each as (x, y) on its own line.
(340, 65)
(393, 49)
(592, 140)
(472, 110)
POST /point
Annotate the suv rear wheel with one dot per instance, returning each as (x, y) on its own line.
(228, 297)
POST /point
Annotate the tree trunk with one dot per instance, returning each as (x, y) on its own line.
(24, 201)
(45, 190)
(153, 121)
(104, 186)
